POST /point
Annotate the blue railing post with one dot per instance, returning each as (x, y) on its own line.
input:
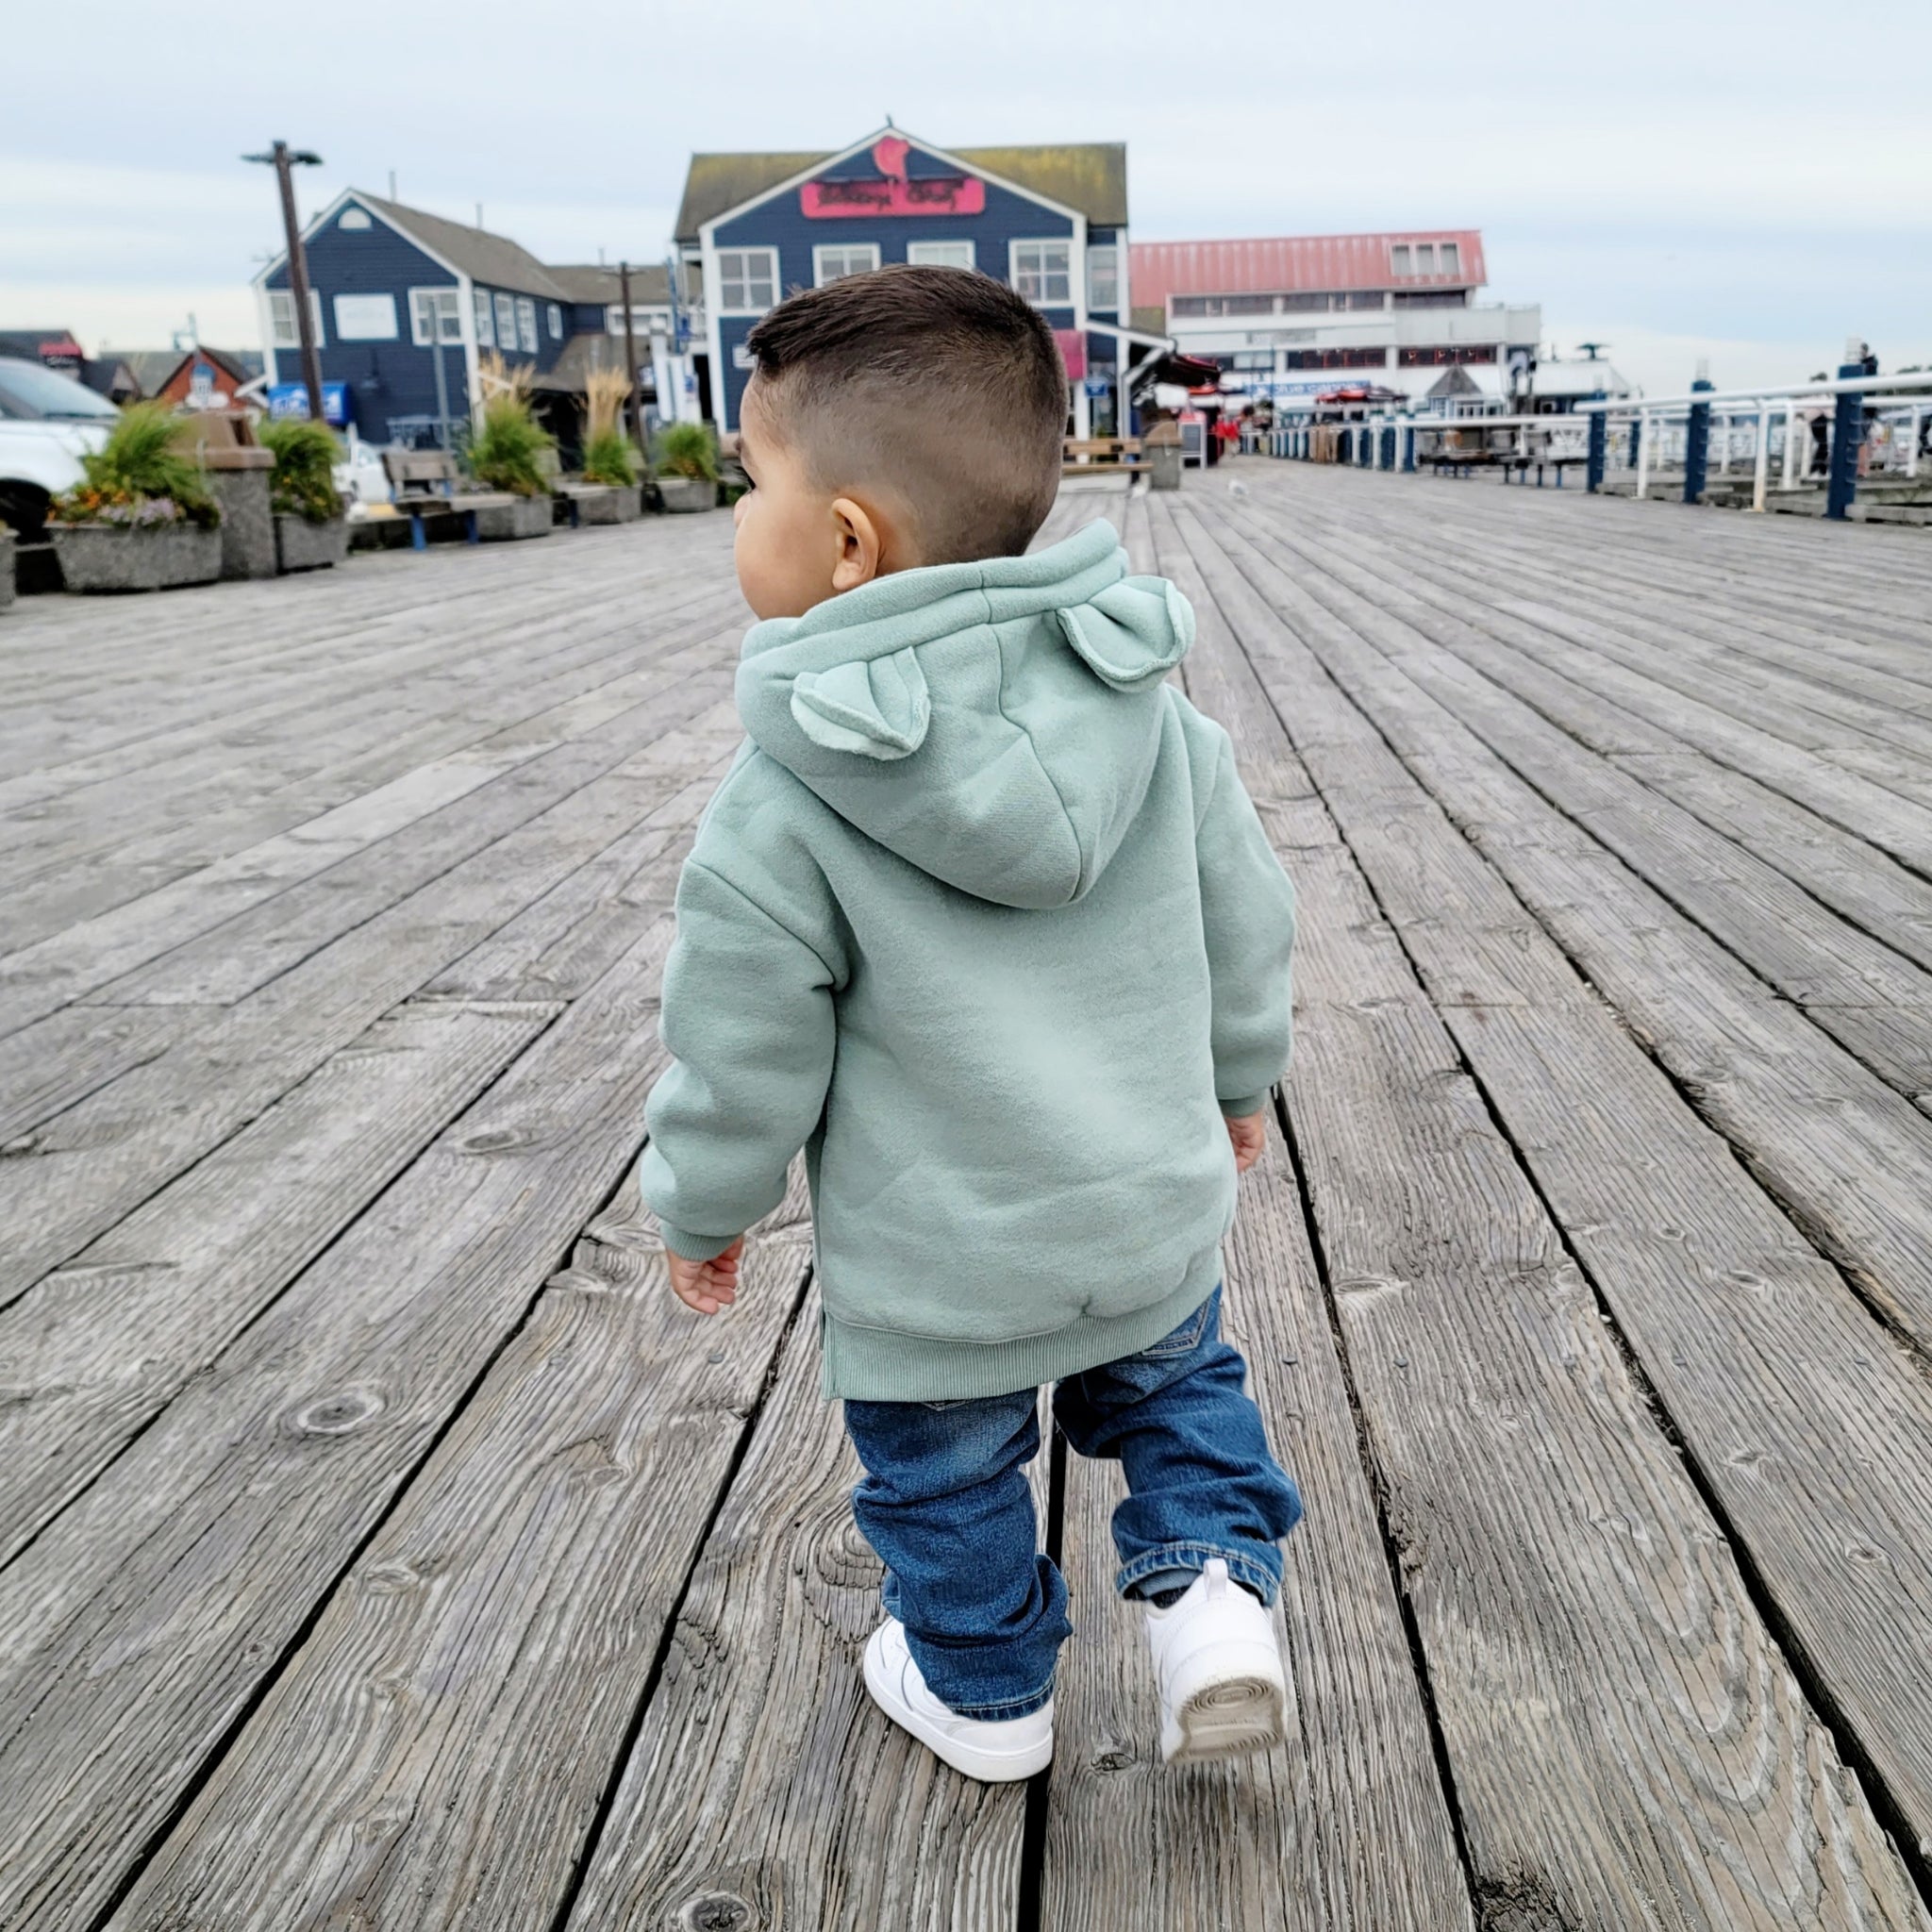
(1388, 449)
(1697, 444)
(1408, 450)
(1847, 431)
(1635, 439)
(1599, 446)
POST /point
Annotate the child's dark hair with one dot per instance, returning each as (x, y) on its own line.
(939, 384)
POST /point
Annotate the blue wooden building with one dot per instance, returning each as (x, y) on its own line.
(1050, 221)
(405, 303)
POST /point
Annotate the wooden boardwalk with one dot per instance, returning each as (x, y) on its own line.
(382, 1547)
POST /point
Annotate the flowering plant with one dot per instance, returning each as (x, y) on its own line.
(138, 480)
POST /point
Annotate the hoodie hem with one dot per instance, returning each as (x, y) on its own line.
(887, 1365)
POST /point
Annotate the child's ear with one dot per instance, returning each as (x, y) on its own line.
(860, 545)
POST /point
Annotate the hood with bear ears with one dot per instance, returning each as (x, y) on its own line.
(994, 724)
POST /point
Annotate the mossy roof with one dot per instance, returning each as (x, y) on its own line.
(1090, 175)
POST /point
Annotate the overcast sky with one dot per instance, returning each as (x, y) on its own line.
(1749, 180)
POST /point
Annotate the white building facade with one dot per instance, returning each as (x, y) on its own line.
(1295, 317)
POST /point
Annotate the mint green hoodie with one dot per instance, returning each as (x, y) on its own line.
(983, 919)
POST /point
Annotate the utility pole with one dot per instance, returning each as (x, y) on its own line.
(630, 361)
(283, 161)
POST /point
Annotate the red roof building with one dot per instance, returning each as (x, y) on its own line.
(1285, 317)
(1308, 264)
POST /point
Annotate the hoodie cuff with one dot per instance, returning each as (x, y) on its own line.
(693, 1247)
(1241, 1105)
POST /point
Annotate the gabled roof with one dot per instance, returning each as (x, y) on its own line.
(591, 281)
(1090, 176)
(1294, 264)
(474, 251)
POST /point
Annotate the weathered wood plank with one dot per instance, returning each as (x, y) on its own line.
(1805, 1421)
(100, 1160)
(764, 1789)
(147, 1619)
(1842, 1151)
(1590, 1637)
(436, 1752)
(1348, 1826)
(94, 1350)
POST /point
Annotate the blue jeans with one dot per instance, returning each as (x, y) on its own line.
(946, 1505)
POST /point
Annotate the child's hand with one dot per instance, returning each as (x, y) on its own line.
(706, 1285)
(1249, 1135)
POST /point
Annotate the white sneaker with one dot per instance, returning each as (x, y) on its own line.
(1218, 1670)
(996, 1753)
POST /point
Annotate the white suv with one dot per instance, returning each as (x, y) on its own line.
(48, 421)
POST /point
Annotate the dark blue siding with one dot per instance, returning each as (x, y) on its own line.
(781, 224)
(386, 379)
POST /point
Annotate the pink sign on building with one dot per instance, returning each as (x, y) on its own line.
(893, 193)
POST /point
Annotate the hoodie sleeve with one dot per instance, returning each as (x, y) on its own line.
(747, 1017)
(1248, 914)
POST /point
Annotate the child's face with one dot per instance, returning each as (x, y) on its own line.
(798, 544)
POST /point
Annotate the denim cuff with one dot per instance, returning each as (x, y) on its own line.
(1006, 1708)
(1242, 1566)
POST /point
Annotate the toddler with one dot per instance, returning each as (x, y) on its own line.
(982, 919)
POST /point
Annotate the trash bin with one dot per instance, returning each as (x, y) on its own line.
(1162, 447)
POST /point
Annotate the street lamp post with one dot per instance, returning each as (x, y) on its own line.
(282, 160)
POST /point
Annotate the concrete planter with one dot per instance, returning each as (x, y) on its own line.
(240, 480)
(303, 546)
(96, 557)
(507, 520)
(606, 503)
(683, 494)
(7, 541)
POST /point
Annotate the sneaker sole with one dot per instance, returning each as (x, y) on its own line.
(988, 1768)
(1229, 1718)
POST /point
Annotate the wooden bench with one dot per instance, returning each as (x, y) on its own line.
(423, 484)
(1086, 454)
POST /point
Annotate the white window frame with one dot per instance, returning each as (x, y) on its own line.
(354, 218)
(506, 323)
(1042, 274)
(526, 323)
(746, 281)
(553, 316)
(844, 251)
(484, 313)
(1450, 255)
(1425, 257)
(281, 319)
(1401, 260)
(1104, 259)
(427, 306)
(943, 254)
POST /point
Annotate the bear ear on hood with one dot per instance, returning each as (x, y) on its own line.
(877, 708)
(1131, 634)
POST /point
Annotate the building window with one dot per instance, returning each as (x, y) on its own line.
(1042, 271)
(526, 323)
(1247, 304)
(1425, 257)
(353, 218)
(833, 261)
(1303, 303)
(942, 254)
(554, 315)
(643, 322)
(1367, 298)
(1443, 357)
(1432, 298)
(281, 317)
(1450, 255)
(1104, 278)
(506, 324)
(1196, 304)
(436, 315)
(486, 329)
(747, 280)
(1400, 260)
(1338, 358)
